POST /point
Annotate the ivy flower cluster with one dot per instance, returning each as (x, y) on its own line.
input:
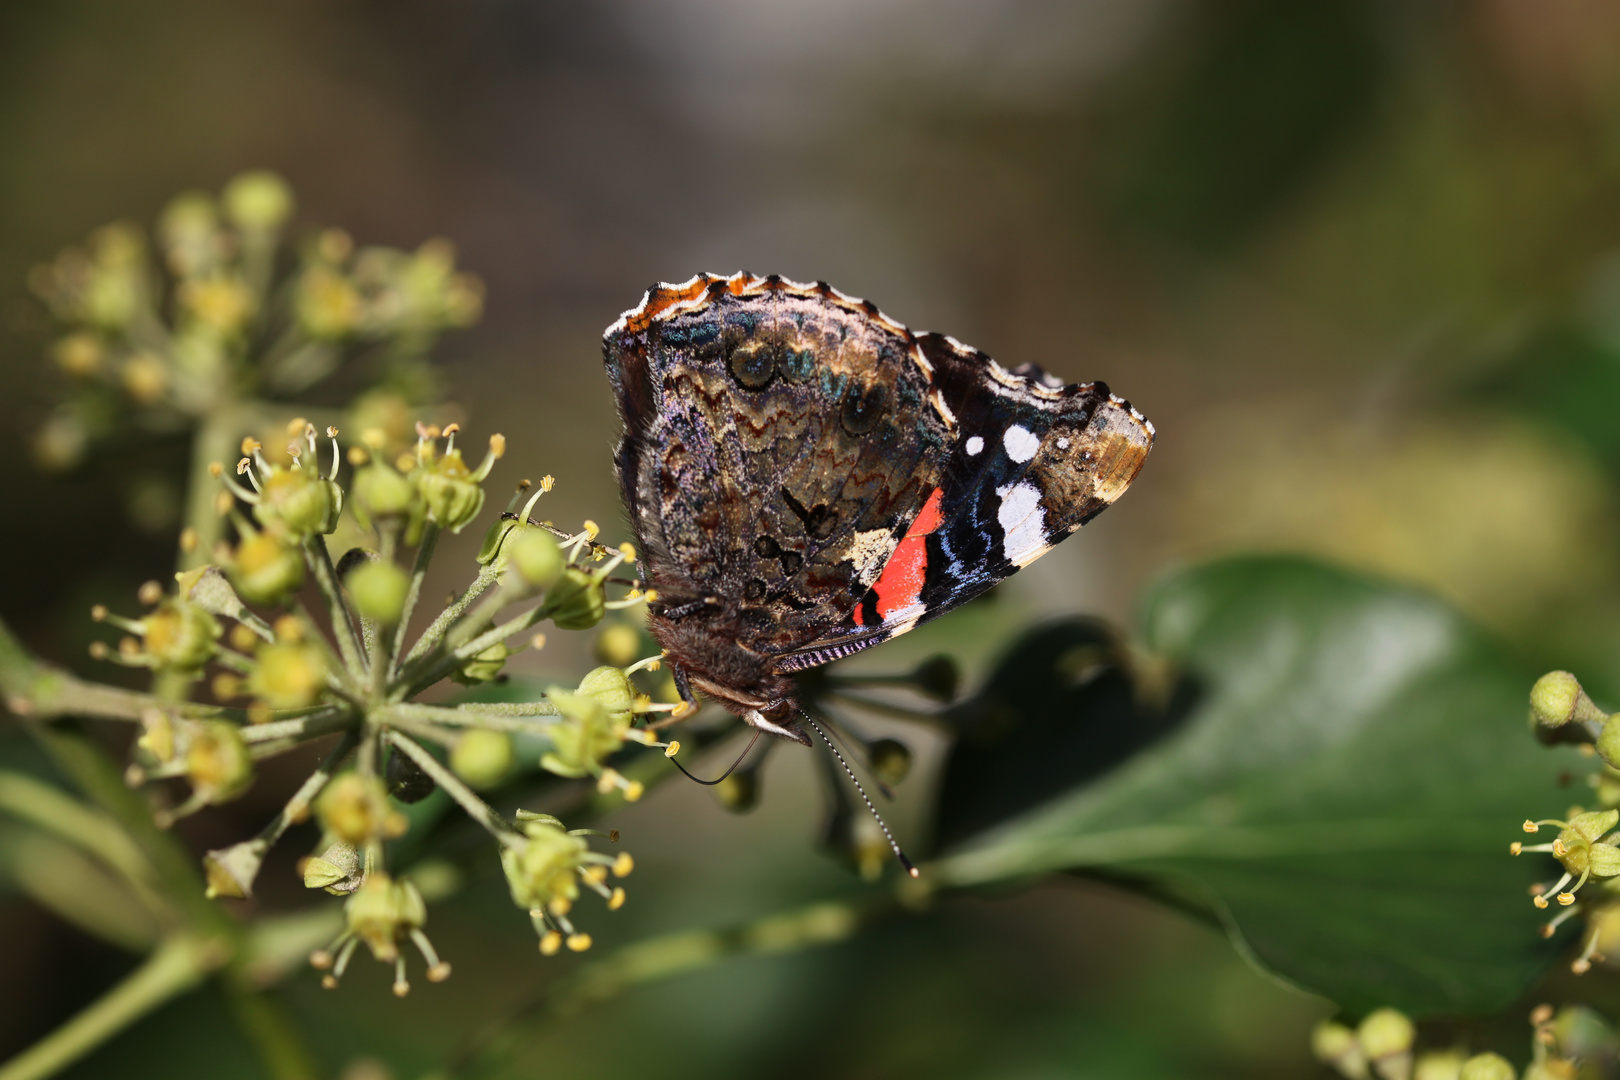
(1384, 1045)
(296, 647)
(1587, 845)
(172, 328)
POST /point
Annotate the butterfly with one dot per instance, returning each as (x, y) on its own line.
(806, 477)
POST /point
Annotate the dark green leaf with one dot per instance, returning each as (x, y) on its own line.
(1342, 794)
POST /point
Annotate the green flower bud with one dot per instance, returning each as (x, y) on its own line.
(220, 302)
(217, 761)
(230, 871)
(300, 500)
(288, 675)
(1386, 1037)
(189, 232)
(380, 493)
(544, 872)
(483, 667)
(482, 758)
(1439, 1065)
(80, 354)
(890, 760)
(577, 601)
(612, 688)
(1608, 742)
(533, 553)
(1557, 699)
(583, 739)
(180, 636)
(257, 201)
(1334, 1044)
(378, 589)
(449, 490)
(338, 869)
(356, 810)
(327, 305)
(1487, 1067)
(383, 912)
(618, 644)
(265, 570)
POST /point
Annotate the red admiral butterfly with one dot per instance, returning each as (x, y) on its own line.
(806, 477)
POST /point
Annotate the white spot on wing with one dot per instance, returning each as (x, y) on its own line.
(869, 551)
(1021, 443)
(1023, 523)
(1063, 444)
(974, 445)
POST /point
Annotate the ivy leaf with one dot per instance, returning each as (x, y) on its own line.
(1340, 792)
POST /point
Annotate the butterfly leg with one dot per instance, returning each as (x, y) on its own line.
(689, 701)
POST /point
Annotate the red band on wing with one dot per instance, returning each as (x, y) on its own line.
(902, 579)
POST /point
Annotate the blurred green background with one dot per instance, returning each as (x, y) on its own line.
(1359, 262)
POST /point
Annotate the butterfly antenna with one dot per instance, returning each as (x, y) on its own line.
(905, 862)
(728, 772)
(842, 739)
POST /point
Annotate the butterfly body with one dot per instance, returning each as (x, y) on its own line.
(807, 478)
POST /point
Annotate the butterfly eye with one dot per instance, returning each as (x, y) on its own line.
(753, 364)
(863, 407)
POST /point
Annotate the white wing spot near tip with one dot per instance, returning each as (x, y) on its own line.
(1021, 443)
(974, 445)
(1023, 523)
(1063, 444)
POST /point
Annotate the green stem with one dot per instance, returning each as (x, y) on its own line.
(465, 717)
(446, 618)
(301, 729)
(424, 555)
(180, 963)
(320, 563)
(415, 682)
(656, 960)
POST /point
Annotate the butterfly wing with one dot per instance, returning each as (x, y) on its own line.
(1031, 461)
(779, 440)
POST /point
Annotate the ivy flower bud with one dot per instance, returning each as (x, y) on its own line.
(356, 810)
(1438, 1065)
(217, 761)
(327, 305)
(1334, 1044)
(535, 556)
(257, 201)
(890, 760)
(288, 675)
(1386, 1037)
(180, 636)
(482, 758)
(379, 589)
(299, 500)
(1608, 742)
(612, 688)
(482, 667)
(545, 871)
(81, 354)
(1557, 699)
(1487, 1067)
(265, 570)
(221, 302)
(577, 601)
(618, 644)
(449, 488)
(230, 871)
(338, 869)
(595, 721)
(380, 493)
(383, 912)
